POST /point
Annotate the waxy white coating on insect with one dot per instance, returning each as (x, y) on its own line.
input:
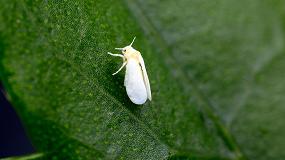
(136, 79)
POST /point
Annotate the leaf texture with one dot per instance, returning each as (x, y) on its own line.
(206, 69)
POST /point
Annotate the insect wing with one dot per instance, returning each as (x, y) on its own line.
(134, 82)
(147, 85)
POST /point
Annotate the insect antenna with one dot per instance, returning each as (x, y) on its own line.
(133, 41)
(119, 49)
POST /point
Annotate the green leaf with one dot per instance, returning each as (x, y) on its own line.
(233, 53)
(214, 69)
(26, 157)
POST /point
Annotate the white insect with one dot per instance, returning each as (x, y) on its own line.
(136, 79)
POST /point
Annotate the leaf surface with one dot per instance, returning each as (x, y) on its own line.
(233, 53)
(55, 67)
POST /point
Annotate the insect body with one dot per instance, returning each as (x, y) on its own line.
(136, 79)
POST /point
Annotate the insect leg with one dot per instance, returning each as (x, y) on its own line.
(120, 68)
(116, 55)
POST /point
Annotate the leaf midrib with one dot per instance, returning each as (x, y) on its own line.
(118, 103)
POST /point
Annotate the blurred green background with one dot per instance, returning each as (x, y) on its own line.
(216, 70)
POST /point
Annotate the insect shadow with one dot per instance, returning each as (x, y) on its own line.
(115, 87)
